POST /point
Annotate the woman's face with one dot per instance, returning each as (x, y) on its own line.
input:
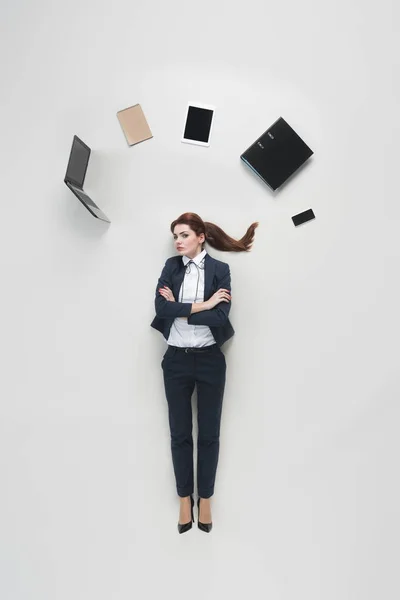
(187, 243)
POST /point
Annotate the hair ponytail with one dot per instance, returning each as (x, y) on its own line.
(214, 235)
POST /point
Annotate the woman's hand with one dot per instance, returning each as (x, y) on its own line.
(167, 294)
(221, 295)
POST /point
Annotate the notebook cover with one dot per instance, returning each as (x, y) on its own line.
(277, 154)
(134, 124)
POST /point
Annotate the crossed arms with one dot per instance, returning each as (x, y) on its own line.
(200, 313)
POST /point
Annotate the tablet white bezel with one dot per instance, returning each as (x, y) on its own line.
(195, 142)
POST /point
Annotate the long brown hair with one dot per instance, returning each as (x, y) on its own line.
(215, 236)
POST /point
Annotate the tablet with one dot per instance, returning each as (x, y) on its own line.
(198, 125)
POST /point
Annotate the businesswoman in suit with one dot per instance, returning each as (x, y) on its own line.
(193, 300)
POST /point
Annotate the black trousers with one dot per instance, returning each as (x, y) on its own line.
(183, 369)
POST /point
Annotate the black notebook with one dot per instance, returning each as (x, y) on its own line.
(277, 154)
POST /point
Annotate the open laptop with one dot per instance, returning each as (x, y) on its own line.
(75, 177)
(277, 154)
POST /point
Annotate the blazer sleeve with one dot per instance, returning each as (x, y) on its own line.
(217, 316)
(164, 308)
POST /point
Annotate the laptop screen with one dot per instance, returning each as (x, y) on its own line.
(78, 162)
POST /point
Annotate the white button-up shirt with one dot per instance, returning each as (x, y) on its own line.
(182, 334)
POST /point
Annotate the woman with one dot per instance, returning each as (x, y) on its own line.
(193, 300)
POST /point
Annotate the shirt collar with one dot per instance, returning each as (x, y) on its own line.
(197, 259)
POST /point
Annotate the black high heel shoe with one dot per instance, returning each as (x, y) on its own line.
(186, 526)
(203, 526)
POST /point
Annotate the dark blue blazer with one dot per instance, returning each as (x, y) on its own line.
(216, 276)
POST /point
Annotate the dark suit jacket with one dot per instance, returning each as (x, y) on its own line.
(216, 275)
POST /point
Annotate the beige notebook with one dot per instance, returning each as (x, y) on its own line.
(134, 124)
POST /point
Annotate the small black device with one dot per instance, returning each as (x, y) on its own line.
(277, 154)
(75, 177)
(303, 217)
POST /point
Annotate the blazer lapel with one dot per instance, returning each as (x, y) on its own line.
(209, 272)
(177, 280)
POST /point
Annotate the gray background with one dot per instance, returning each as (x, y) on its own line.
(307, 486)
